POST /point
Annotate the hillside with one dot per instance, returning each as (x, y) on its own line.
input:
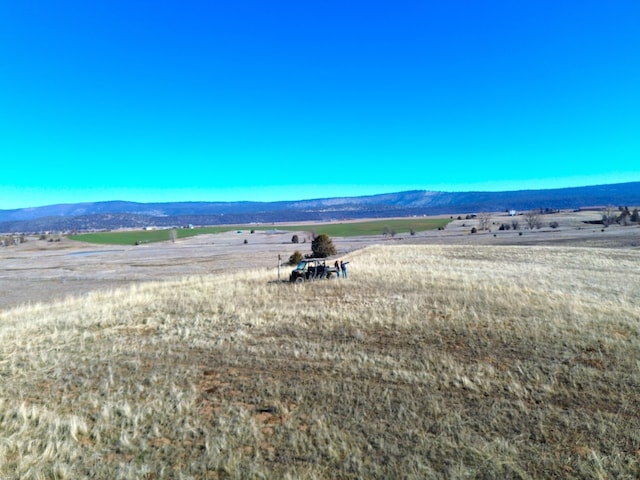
(120, 214)
(505, 362)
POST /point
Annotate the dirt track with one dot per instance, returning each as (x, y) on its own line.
(39, 271)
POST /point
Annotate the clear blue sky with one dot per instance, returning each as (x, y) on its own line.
(255, 100)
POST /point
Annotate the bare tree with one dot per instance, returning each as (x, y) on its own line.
(532, 219)
(625, 215)
(609, 215)
(484, 221)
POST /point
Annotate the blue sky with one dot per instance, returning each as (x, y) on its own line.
(253, 100)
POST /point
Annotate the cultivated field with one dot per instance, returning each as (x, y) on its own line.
(339, 229)
(429, 361)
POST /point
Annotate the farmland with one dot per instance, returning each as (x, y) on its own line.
(341, 229)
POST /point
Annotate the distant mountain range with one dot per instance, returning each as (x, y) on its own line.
(121, 214)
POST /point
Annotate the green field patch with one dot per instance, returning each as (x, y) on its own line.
(374, 227)
(137, 237)
(339, 229)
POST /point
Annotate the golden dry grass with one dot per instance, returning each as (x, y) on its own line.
(428, 362)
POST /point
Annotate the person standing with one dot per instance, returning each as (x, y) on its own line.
(343, 267)
(337, 267)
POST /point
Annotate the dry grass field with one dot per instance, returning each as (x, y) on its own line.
(429, 361)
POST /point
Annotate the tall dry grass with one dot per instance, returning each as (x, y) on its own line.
(428, 362)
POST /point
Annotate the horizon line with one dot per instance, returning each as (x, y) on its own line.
(321, 198)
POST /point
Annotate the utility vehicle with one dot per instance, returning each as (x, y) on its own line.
(312, 269)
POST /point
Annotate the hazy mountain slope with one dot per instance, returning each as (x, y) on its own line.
(116, 214)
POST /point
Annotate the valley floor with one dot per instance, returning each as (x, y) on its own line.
(40, 271)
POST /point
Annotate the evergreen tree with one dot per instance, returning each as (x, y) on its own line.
(322, 246)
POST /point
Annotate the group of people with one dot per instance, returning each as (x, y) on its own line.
(341, 266)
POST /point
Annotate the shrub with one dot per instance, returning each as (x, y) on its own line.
(295, 239)
(322, 246)
(474, 230)
(554, 224)
(295, 258)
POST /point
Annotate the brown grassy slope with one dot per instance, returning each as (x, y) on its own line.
(428, 362)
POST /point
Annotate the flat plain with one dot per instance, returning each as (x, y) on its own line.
(39, 271)
(444, 354)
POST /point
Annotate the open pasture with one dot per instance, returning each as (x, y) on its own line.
(341, 229)
(430, 361)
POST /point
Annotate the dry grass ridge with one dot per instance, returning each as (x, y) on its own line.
(427, 362)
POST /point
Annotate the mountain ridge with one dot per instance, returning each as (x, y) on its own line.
(124, 214)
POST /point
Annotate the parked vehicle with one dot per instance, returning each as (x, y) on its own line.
(312, 269)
